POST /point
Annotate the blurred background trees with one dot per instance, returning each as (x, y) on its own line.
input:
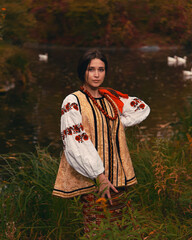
(99, 22)
(18, 20)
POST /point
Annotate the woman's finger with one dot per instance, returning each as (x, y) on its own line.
(113, 188)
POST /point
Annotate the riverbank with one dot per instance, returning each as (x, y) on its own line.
(148, 46)
(14, 67)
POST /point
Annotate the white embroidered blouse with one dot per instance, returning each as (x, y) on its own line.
(83, 157)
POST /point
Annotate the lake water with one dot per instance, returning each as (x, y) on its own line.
(31, 116)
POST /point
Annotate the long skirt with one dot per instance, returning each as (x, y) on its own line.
(96, 209)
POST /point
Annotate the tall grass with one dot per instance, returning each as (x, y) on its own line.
(159, 205)
(28, 210)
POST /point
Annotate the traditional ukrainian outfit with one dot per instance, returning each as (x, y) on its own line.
(94, 144)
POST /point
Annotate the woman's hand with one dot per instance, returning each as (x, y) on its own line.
(104, 187)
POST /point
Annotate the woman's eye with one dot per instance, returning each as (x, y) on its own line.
(92, 69)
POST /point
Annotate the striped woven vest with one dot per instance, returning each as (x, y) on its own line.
(109, 139)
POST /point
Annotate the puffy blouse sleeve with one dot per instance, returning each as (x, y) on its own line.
(134, 111)
(78, 148)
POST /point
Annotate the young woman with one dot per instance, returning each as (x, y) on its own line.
(95, 150)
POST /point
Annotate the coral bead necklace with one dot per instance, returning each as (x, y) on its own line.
(99, 107)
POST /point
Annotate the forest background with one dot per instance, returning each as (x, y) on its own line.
(120, 23)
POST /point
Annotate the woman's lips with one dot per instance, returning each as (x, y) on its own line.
(96, 81)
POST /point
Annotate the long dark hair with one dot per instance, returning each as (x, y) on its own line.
(86, 58)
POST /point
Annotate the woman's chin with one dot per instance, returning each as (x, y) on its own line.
(94, 85)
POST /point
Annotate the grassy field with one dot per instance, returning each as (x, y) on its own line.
(160, 202)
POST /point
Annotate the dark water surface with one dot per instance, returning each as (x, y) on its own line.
(31, 116)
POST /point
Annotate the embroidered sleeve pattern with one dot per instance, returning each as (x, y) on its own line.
(68, 107)
(82, 137)
(78, 128)
(134, 111)
(137, 104)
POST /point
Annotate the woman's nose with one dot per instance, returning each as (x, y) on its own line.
(96, 73)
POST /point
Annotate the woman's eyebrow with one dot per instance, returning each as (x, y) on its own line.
(95, 67)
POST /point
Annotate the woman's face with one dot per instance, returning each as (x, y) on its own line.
(95, 74)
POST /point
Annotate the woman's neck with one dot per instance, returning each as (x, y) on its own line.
(93, 91)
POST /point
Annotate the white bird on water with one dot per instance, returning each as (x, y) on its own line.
(181, 61)
(176, 61)
(43, 57)
(172, 61)
(187, 73)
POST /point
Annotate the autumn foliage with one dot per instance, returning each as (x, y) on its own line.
(99, 22)
(111, 22)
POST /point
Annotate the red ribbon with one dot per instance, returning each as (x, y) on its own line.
(115, 97)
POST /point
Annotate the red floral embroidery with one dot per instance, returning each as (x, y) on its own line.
(69, 132)
(85, 137)
(62, 111)
(72, 130)
(76, 128)
(68, 107)
(81, 137)
(77, 138)
(64, 134)
(75, 107)
(135, 104)
(142, 106)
